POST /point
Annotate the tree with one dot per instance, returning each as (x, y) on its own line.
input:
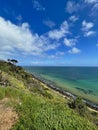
(12, 61)
(8, 60)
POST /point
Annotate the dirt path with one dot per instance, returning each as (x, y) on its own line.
(8, 117)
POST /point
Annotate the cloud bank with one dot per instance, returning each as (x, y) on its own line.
(18, 39)
(15, 38)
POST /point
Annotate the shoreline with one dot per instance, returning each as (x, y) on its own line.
(88, 103)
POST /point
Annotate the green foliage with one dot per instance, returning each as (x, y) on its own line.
(38, 107)
(15, 76)
(2, 93)
(11, 93)
(37, 113)
(79, 106)
(13, 61)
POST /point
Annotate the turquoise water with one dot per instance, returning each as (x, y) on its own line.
(82, 81)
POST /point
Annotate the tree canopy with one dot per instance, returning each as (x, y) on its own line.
(13, 61)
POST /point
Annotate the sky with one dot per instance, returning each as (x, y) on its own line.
(49, 32)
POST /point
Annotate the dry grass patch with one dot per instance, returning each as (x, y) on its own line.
(8, 117)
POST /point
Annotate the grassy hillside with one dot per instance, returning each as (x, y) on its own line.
(37, 106)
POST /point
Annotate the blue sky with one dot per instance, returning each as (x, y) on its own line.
(49, 32)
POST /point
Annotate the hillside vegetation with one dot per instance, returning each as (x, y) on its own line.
(37, 106)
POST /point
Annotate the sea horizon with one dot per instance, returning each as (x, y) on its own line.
(55, 66)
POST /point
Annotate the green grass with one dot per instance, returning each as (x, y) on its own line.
(45, 115)
(38, 107)
(39, 113)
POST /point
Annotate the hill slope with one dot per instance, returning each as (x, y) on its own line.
(36, 106)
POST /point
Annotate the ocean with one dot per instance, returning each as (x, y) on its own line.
(81, 81)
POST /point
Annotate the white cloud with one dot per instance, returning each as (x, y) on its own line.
(93, 4)
(91, 1)
(95, 7)
(89, 33)
(87, 25)
(49, 23)
(70, 42)
(96, 44)
(59, 33)
(56, 34)
(86, 28)
(64, 27)
(74, 50)
(18, 40)
(15, 39)
(72, 7)
(38, 6)
(94, 10)
(73, 18)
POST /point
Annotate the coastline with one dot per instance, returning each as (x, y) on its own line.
(91, 105)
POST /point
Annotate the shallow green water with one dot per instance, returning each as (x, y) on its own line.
(82, 81)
